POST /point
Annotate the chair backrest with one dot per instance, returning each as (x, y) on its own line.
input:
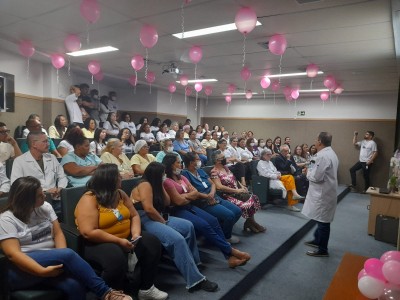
(3, 201)
(56, 142)
(209, 153)
(69, 200)
(128, 185)
(207, 169)
(18, 132)
(253, 167)
(9, 164)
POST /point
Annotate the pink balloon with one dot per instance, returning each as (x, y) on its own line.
(148, 36)
(288, 98)
(277, 44)
(151, 77)
(312, 70)
(329, 81)
(188, 90)
(90, 10)
(228, 98)
(99, 76)
(231, 88)
(249, 94)
(132, 80)
(245, 20)
(208, 90)
(72, 43)
(391, 271)
(373, 267)
(57, 60)
(338, 90)
(184, 80)
(265, 82)
(390, 255)
(287, 91)
(172, 87)
(137, 62)
(275, 86)
(324, 96)
(26, 48)
(295, 94)
(198, 86)
(94, 67)
(361, 274)
(245, 73)
(195, 54)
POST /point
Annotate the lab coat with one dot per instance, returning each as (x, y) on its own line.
(321, 199)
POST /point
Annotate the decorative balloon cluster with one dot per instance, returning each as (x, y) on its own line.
(380, 278)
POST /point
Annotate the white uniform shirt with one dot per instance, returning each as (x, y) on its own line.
(131, 126)
(4, 181)
(6, 151)
(26, 132)
(74, 111)
(321, 199)
(366, 149)
(162, 136)
(268, 169)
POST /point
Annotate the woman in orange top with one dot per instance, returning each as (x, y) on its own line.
(106, 217)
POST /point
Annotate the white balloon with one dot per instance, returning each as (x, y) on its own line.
(371, 287)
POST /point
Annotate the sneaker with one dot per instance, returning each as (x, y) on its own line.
(116, 295)
(204, 285)
(293, 208)
(317, 253)
(298, 197)
(311, 244)
(152, 293)
(233, 240)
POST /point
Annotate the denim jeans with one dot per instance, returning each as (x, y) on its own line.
(227, 214)
(321, 236)
(78, 274)
(206, 225)
(179, 240)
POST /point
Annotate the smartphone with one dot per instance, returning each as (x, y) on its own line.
(135, 241)
(165, 216)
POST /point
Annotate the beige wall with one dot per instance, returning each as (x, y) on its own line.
(305, 131)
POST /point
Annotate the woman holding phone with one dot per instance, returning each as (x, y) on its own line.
(106, 217)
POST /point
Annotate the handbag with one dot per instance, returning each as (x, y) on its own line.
(244, 196)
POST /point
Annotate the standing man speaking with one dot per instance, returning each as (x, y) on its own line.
(321, 199)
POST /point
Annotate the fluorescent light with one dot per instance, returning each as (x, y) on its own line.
(314, 91)
(209, 30)
(200, 80)
(290, 74)
(237, 94)
(93, 51)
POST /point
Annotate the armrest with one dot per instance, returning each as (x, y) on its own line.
(75, 240)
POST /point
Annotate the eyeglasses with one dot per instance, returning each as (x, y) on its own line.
(4, 132)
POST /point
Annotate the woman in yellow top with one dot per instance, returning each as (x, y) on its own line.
(90, 128)
(142, 158)
(112, 154)
(107, 219)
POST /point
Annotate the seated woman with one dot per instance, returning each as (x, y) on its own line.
(176, 235)
(186, 129)
(276, 144)
(233, 160)
(163, 133)
(246, 156)
(98, 143)
(142, 121)
(299, 158)
(142, 158)
(65, 146)
(180, 144)
(126, 122)
(286, 183)
(155, 124)
(111, 125)
(225, 182)
(183, 195)
(226, 212)
(89, 128)
(107, 219)
(199, 132)
(166, 148)
(59, 128)
(147, 135)
(214, 139)
(31, 237)
(196, 146)
(112, 154)
(128, 142)
(206, 141)
(260, 145)
(173, 129)
(80, 164)
(313, 154)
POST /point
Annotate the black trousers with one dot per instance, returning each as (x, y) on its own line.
(365, 169)
(321, 236)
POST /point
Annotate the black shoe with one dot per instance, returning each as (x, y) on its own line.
(205, 285)
(311, 244)
(317, 253)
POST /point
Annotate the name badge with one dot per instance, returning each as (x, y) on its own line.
(184, 188)
(117, 214)
(204, 184)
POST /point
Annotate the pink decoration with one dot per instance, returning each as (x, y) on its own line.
(151, 77)
(172, 87)
(132, 80)
(137, 62)
(245, 20)
(275, 86)
(184, 80)
(312, 70)
(370, 287)
(361, 274)
(295, 94)
(329, 81)
(391, 271)
(287, 91)
(265, 82)
(195, 54)
(26, 48)
(198, 86)
(188, 90)
(208, 90)
(245, 73)
(277, 44)
(390, 255)
(72, 43)
(57, 60)
(249, 94)
(148, 36)
(338, 90)
(373, 267)
(228, 98)
(231, 88)
(94, 67)
(99, 76)
(324, 96)
(90, 10)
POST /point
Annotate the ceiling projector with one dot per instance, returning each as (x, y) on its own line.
(171, 69)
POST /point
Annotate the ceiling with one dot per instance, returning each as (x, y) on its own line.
(349, 39)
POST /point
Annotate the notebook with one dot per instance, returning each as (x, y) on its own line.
(384, 190)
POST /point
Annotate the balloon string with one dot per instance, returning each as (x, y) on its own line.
(337, 96)
(69, 66)
(27, 69)
(147, 57)
(227, 107)
(170, 99)
(98, 87)
(280, 68)
(150, 89)
(92, 79)
(183, 19)
(207, 101)
(87, 34)
(264, 94)
(197, 94)
(311, 83)
(57, 76)
(323, 104)
(244, 50)
(135, 78)
(58, 85)
(195, 71)
(330, 96)
(245, 86)
(274, 98)
(185, 93)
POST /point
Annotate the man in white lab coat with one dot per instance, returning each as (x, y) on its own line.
(321, 199)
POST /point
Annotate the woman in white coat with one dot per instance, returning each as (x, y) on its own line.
(321, 199)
